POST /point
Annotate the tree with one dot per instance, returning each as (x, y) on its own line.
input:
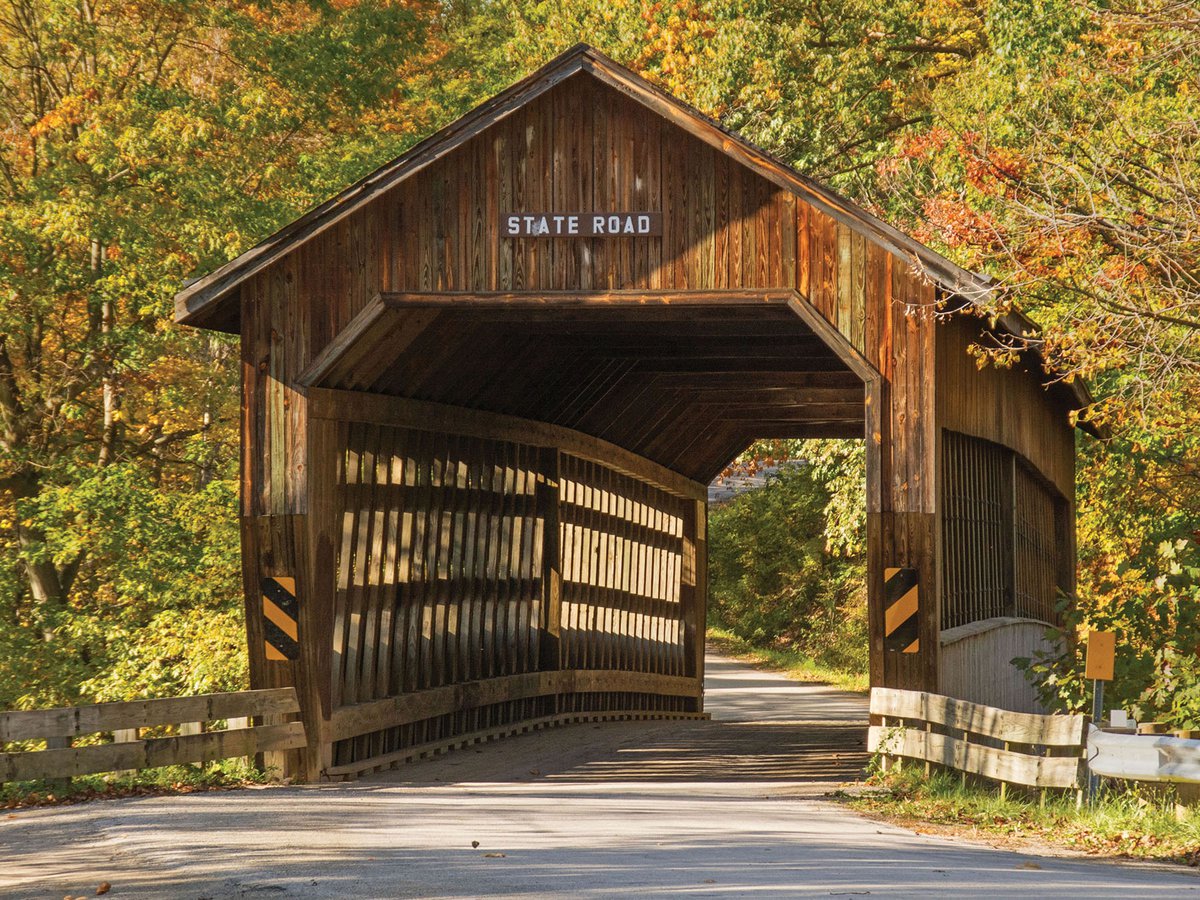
(145, 141)
(1066, 164)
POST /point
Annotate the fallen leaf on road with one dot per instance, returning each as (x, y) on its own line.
(493, 856)
(474, 844)
(1028, 865)
(104, 888)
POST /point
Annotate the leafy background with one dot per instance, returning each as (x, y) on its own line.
(1052, 144)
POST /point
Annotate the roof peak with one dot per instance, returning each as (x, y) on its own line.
(198, 302)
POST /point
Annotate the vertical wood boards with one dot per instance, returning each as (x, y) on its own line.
(1006, 406)
(898, 330)
(625, 600)
(274, 547)
(1003, 551)
(1007, 415)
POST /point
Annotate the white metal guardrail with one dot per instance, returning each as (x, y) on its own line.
(1143, 757)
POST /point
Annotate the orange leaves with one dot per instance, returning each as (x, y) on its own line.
(70, 111)
(678, 37)
(282, 18)
(923, 145)
(990, 169)
(957, 224)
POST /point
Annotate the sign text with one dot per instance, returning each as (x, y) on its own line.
(580, 224)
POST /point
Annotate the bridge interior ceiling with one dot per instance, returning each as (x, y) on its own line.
(687, 384)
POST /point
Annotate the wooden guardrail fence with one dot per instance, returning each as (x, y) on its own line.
(1013, 748)
(59, 727)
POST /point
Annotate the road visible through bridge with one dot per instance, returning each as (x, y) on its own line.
(729, 808)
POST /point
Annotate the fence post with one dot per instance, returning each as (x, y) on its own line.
(883, 757)
(125, 736)
(58, 785)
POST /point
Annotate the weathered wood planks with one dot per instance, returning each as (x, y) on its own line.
(446, 608)
(124, 719)
(1017, 748)
(72, 721)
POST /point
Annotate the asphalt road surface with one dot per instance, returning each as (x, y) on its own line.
(723, 809)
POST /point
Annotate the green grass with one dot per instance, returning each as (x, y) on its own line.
(790, 662)
(1128, 822)
(230, 773)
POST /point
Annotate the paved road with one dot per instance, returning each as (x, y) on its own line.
(722, 809)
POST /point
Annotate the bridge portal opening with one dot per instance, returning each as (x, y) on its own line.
(521, 485)
(787, 553)
(475, 452)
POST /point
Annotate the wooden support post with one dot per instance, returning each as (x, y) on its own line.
(700, 600)
(125, 736)
(883, 757)
(1004, 784)
(58, 785)
(693, 590)
(550, 626)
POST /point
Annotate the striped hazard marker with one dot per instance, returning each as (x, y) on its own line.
(280, 614)
(901, 603)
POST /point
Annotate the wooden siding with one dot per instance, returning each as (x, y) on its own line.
(724, 227)
(1006, 406)
(1004, 552)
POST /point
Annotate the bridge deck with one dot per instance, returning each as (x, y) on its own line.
(765, 728)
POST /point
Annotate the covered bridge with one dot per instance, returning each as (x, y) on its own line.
(484, 390)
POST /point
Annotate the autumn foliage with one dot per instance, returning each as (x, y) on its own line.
(1054, 145)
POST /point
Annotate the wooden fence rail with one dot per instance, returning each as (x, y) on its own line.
(1012, 748)
(58, 727)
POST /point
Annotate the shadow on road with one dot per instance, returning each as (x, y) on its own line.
(765, 728)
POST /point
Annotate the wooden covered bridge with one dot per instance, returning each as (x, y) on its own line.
(484, 390)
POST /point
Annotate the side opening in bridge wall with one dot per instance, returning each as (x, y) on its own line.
(547, 580)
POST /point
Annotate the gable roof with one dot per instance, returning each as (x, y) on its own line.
(210, 301)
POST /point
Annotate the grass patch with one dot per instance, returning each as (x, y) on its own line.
(223, 775)
(1132, 822)
(791, 662)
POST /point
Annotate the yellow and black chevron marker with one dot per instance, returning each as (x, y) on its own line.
(280, 614)
(901, 604)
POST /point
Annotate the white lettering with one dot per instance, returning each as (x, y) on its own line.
(577, 224)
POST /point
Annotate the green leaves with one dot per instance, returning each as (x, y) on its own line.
(773, 578)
